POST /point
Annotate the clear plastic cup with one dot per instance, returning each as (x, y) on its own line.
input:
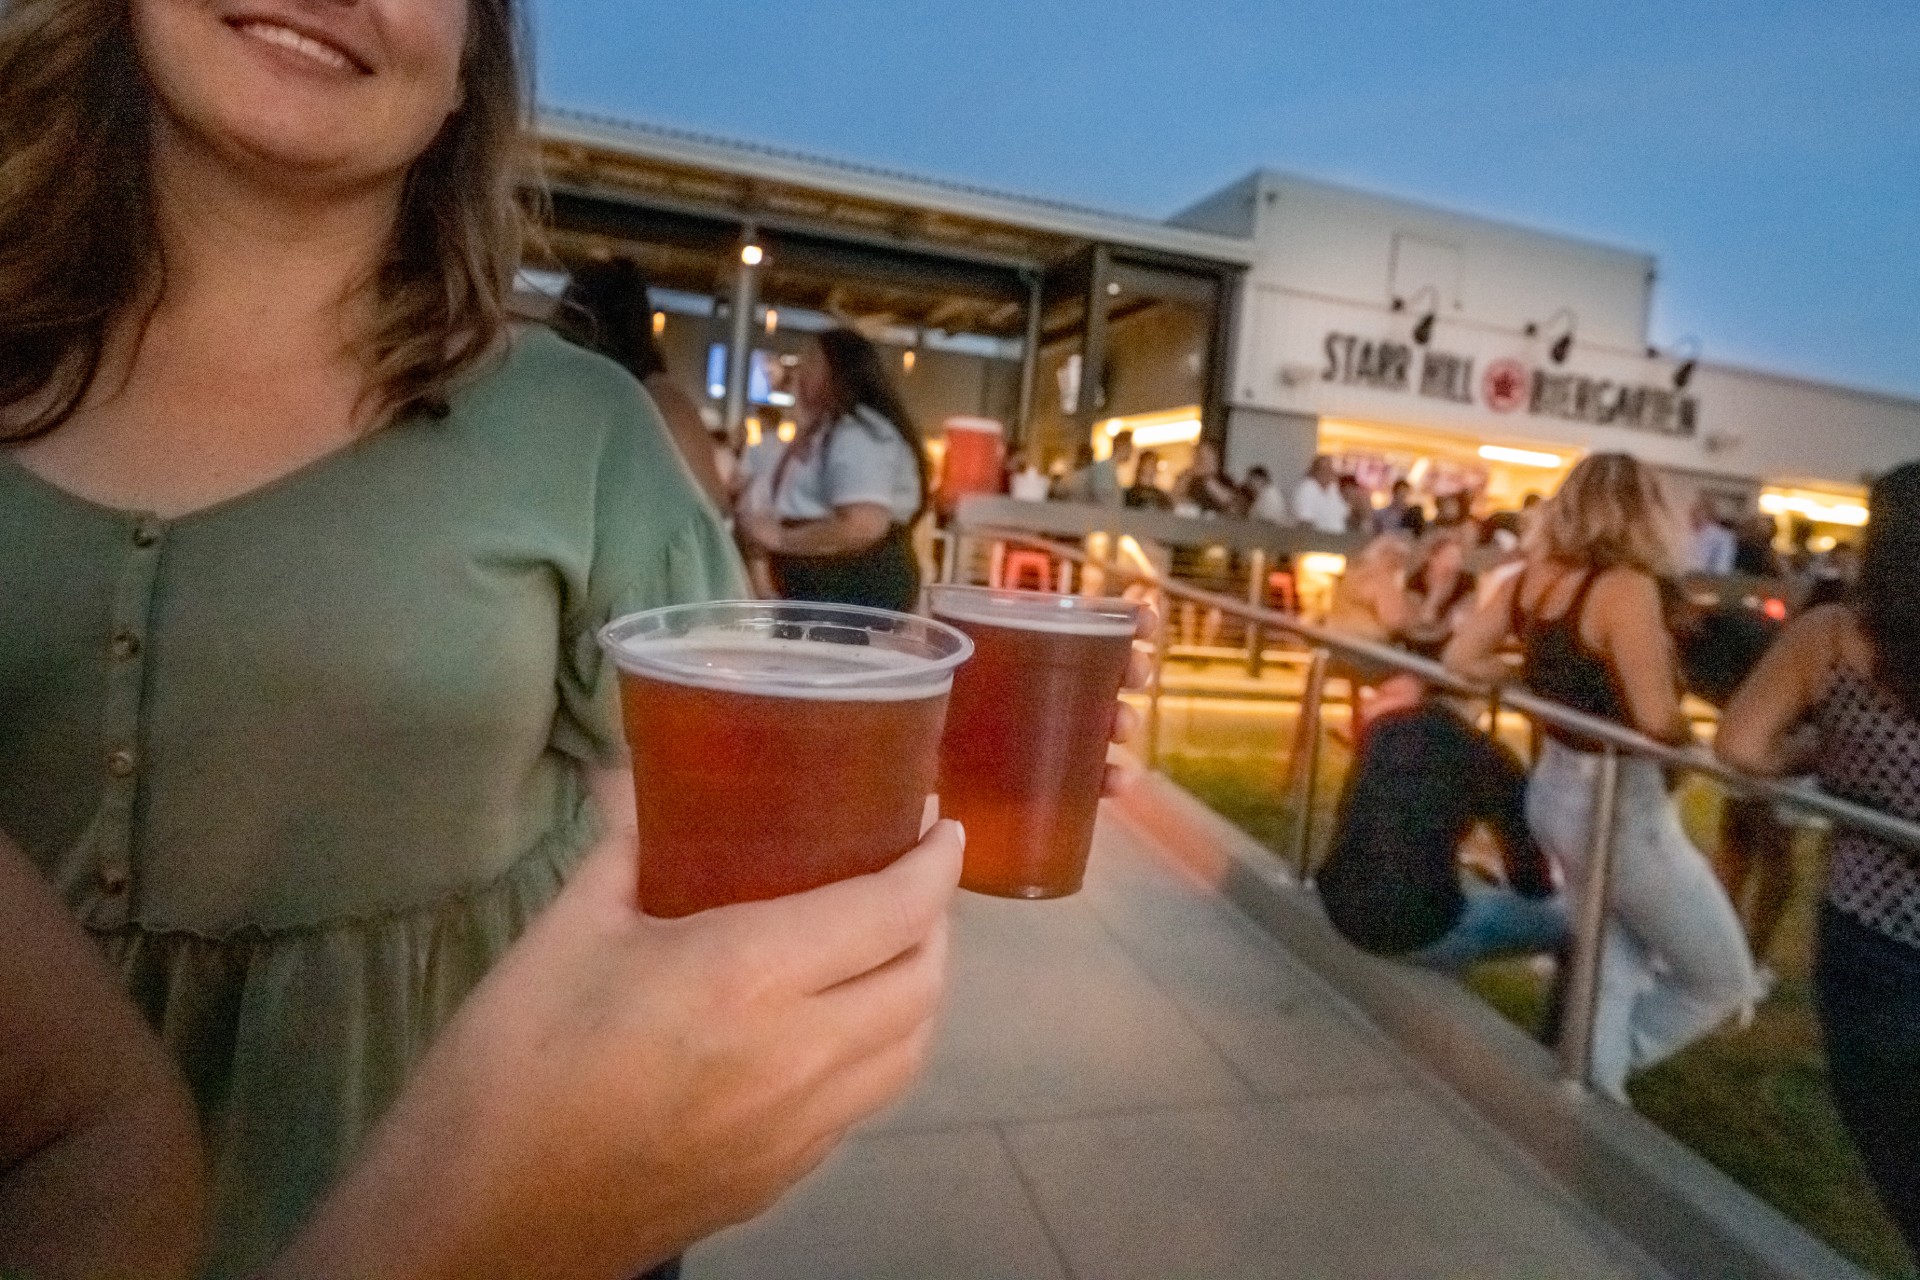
(777, 746)
(1028, 724)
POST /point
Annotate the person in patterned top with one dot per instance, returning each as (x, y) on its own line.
(1839, 695)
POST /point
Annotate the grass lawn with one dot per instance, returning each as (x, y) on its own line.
(1752, 1101)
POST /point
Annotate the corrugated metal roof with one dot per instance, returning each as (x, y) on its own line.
(870, 182)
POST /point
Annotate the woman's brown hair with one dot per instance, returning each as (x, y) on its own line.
(858, 376)
(1609, 513)
(78, 249)
(1887, 597)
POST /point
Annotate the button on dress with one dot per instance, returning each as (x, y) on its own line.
(306, 761)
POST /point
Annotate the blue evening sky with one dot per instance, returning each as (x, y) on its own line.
(1767, 152)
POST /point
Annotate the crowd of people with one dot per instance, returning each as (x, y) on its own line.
(1591, 610)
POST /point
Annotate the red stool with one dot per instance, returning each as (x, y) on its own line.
(1281, 593)
(1019, 566)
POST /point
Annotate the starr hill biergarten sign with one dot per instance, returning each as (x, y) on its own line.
(1508, 386)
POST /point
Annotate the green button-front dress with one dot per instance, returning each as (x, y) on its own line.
(306, 761)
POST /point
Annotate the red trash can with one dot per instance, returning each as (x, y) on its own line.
(975, 461)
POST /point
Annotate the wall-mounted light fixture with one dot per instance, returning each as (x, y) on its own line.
(1423, 327)
(752, 254)
(1687, 352)
(1563, 345)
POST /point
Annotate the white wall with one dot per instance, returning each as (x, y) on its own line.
(1332, 242)
(1784, 429)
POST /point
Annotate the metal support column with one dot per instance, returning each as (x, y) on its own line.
(950, 554)
(1256, 598)
(1305, 763)
(1093, 343)
(746, 280)
(1029, 362)
(1154, 688)
(1590, 929)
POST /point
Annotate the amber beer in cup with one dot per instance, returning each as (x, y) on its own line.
(777, 746)
(1027, 729)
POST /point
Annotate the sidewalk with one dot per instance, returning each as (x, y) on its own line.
(1137, 1084)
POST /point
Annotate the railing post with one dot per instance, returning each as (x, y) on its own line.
(1305, 763)
(1590, 929)
(1256, 597)
(1154, 687)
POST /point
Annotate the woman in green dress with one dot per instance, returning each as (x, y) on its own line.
(303, 546)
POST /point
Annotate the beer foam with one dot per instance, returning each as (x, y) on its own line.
(732, 661)
(1070, 622)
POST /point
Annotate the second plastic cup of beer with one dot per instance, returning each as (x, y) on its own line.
(1028, 723)
(777, 746)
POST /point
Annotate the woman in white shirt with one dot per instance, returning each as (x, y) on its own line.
(834, 516)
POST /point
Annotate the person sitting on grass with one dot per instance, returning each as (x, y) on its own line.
(1394, 884)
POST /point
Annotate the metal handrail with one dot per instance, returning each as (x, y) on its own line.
(1583, 987)
(1512, 696)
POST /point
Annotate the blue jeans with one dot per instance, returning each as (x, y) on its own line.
(1495, 922)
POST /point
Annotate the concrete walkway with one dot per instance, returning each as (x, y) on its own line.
(1138, 1084)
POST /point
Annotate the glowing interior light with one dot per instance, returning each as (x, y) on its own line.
(659, 323)
(773, 319)
(787, 428)
(752, 254)
(1522, 457)
(1154, 434)
(907, 360)
(1820, 510)
(1325, 564)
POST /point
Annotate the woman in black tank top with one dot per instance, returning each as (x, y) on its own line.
(1588, 617)
(1557, 664)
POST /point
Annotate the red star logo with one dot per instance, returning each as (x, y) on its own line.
(1504, 387)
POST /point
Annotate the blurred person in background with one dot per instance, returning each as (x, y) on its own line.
(1588, 614)
(1441, 587)
(304, 548)
(1105, 484)
(1317, 502)
(1452, 510)
(1753, 553)
(605, 309)
(1205, 486)
(1359, 500)
(833, 517)
(1145, 493)
(1833, 573)
(1401, 514)
(1260, 499)
(1711, 548)
(1719, 647)
(1839, 696)
(1371, 600)
(1077, 485)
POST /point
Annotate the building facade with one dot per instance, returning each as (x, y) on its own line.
(1281, 317)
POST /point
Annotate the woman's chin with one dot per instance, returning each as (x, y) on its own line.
(306, 156)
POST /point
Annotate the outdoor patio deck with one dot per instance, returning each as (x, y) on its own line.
(1139, 1084)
